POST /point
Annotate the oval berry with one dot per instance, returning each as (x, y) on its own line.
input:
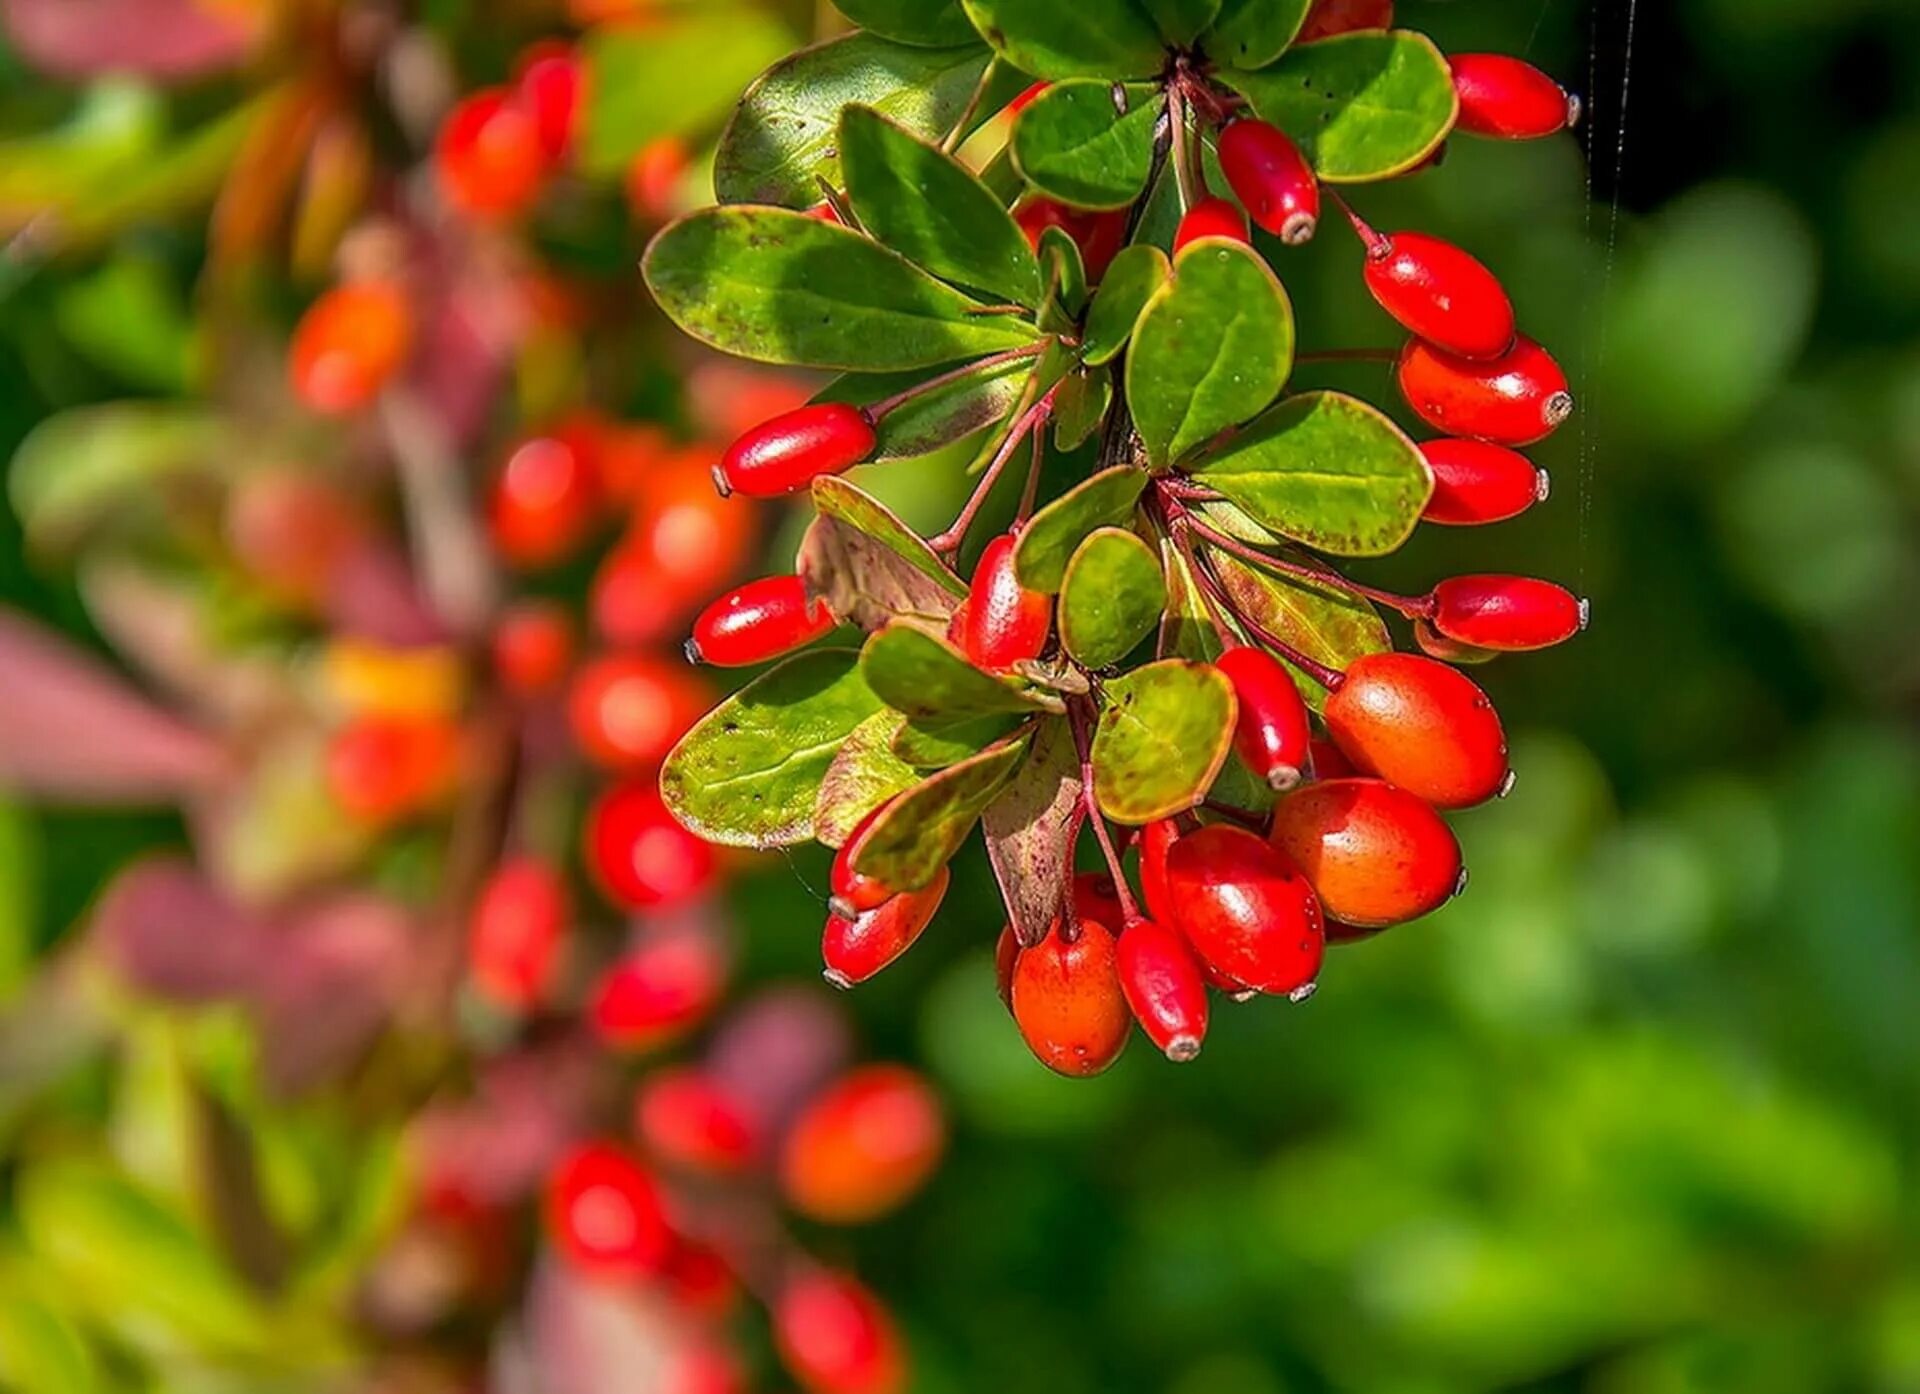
(1515, 399)
(795, 448)
(1246, 909)
(1376, 855)
(660, 989)
(686, 1119)
(1005, 622)
(639, 855)
(863, 1146)
(550, 87)
(852, 892)
(1067, 1001)
(1272, 729)
(1210, 217)
(380, 768)
(1506, 613)
(1099, 236)
(545, 500)
(758, 621)
(1164, 987)
(1330, 17)
(1440, 293)
(834, 1337)
(533, 647)
(626, 710)
(1505, 97)
(1421, 725)
(1475, 481)
(515, 933)
(1156, 840)
(349, 344)
(1272, 179)
(606, 1215)
(702, 1366)
(654, 177)
(854, 949)
(488, 156)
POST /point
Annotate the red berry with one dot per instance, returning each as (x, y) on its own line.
(1096, 898)
(1502, 96)
(1376, 855)
(1506, 613)
(380, 768)
(1006, 953)
(1422, 725)
(1271, 178)
(758, 621)
(854, 893)
(1515, 399)
(1475, 481)
(1099, 236)
(1328, 762)
(855, 949)
(835, 1337)
(1330, 17)
(606, 1215)
(488, 156)
(663, 987)
(1440, 293)
(639, 855)
(546, 499)
(1211, 217)
(1067, 1000)
(1164, 986)
(703, 1367)
(1437, 645)
(1156, 839)
(627, 709)
(515, 934)
(550, 87)
(349, 344)
(795, 448)
(699, 1281)
(1026, 97)
(1272, 730)
(655, 176)
(687, 1120)
(533, 647)
(1246, 909)
(861, 1148)
(1006, 623)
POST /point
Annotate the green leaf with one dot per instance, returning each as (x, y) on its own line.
(1131, 281)
(40, 1347)
(21, 856)
(1065, 274)
(1325, 470)
(1108, 39)
(1252, 33)
(1362, 106)
(679, 77)
(932, 23)
(780, 287)
(748, 774)
(1029, 831)
(1182, 21)
(836, 498)
(1051, 535)
(1111, 599)
(1185, 630)
(919, 674)
(1212, 348)
(1161, 740)
(937, 417)
(1080, 407)
(780, 144)
(1088, 143)
(87, 468)
(931, 209)
(864, 774)
(131, 318)
(906, 846)
(933, 743)
(1324, 622)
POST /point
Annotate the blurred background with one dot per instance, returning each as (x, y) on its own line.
(1637, 1115)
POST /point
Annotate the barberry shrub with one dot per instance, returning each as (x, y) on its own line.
(1028, 225)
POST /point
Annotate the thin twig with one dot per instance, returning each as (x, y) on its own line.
(1077, 718)
(878, 410)
(949, 542)
(953, 138)
(450, 550)
(1413, 607)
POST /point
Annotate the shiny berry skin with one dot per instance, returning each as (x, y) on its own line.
(1475, 481)
(834, 1337)
(1272, 179)
(1515, 399)
(626, 710)
(606, 1215)
(488, 156)
(516, 931)
(1096, 899)
(1441, 294)
(1099, 236)
(1067, 1001)
(795, 448)
(550, 88)
(1376, 855)
(855, 949)
(1272, 729)
(852, 892)
(863, 1146)
(1421, 725)
(1330, 17)
(758, 621)
(1211, 217)
(1506, 613)
(546, 499)
(1246, 909)
(380, 768)
(1163, 985)
(349, 344)
(663, 987)
(1005, 622)
(1504, 97)
(684, 1118)
(639, 855)
(533, 647)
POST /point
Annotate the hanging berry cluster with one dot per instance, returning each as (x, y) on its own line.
(1047, 251)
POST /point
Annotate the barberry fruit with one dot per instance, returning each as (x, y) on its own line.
(1506, 613)
(1246, 909)
(834, 1337)
(661, 988)
(1099, 236)
(1271, 178)
(1210, 217)
(856, 948)
(381, 768)
(1067, 1000)
(626, 710)
(488, 156)
(605, 1214)
(1421, 725)
(639, 855)
(545, 500)
(854, 893)
(863, 1146)
(349, 344)
(1439, 293)
(533, 647)
(758, 621)
(1272, 730)
(687, 1119)
(1163, 985)
(1515, 399)
(516, 931)
(795, 448)
(1005, 622)
(703, 1366)
(1006, 953)
(1376, 855)
(1505, 97)
(551, 86)
(654, 178)
(1475, 481)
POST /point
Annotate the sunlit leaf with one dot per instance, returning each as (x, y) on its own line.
(920, 831)
(1111, 598)
(919, 674)
(1088, 143)
(1088, 38)
(1163, 735)
(935, 23)
(1252, 33)
(1130, 282)
(1028, 831)
(1051, 535)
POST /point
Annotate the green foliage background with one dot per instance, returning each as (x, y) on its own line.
(1638, 1114)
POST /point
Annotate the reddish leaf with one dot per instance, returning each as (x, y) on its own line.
(150, 38)
(328, 985)
(170, 933)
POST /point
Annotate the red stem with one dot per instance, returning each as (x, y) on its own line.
(1412, 607)
(1378, 245)
(951, 540)
(1213, 592)
(1077, 719)
(879, 410)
